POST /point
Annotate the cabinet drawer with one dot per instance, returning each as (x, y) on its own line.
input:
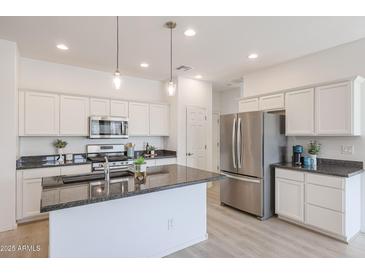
(324, 180)
(289, 174)
(330, 198)
(41, 172)
(166, 161)
(270, 102)
(325, 219)
(74, 170)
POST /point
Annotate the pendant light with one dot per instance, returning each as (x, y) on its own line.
(171, 86)
(116, 78)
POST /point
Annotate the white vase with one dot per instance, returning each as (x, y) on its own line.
(313, 158)
(60, 155)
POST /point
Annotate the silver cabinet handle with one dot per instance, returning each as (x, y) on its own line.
(233, 143)
(239, 143)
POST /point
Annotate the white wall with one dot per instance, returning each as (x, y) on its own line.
(52, 77)
(336, 63)
(8, 139)
(192, 93)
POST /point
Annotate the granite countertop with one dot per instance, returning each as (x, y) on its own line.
(43, 161)
(328, 167)
(122, 185)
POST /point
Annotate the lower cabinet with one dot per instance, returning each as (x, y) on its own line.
(29, 188)
(327, 204)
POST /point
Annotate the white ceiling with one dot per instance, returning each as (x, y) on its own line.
(218, 51)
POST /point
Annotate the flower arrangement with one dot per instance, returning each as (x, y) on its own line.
(139, 161)
(314, 147)
(60, 143)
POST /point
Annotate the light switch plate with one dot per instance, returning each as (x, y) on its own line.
(348, 149)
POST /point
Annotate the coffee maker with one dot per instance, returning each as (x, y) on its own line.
(297, 154)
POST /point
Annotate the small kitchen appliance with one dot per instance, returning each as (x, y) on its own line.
(297, 154)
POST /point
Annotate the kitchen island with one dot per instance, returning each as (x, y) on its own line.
(163, 214)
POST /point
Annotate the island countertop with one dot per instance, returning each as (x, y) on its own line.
(56, 194)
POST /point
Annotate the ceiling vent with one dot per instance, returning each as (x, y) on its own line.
(183, 68)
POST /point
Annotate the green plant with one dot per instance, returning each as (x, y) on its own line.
(60, 143)
(150, 148)
(139, 160)
(314, 147)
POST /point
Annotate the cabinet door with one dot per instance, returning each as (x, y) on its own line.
(159, 120)
(247, 105)
(334, 109)
(289, 199)
(272, 102)
(299, 108)
(139, 122)
(119, 108)
(41, 114)
(74, 116)
(166, 161)
(32, 190)
(99, 107)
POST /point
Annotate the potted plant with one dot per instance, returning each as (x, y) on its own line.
(152, 150)
(313, 149)
(60, 145)
(140, 165)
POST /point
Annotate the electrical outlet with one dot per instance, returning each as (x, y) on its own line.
(348, 149)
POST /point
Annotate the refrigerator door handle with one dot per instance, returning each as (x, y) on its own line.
(233, 143)
(239, 156)
(242, 178)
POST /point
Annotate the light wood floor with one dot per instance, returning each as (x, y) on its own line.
(231, 234)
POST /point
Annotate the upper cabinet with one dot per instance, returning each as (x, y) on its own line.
(38, 114)
(139, 119)
(74, 114)
(338, 109)
(272, 102)
(119, 108)
(159, 120)
(99, 107)
(299, 108)
(247, 105)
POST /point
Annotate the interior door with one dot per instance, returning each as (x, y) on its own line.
(228, 137)
(196, 137)
(250, 143)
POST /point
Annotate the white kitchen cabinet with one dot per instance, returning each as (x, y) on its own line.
(74, 115)
(119, 108)
(39, 114)
(139, 119)
(338, 109)
(99, 107)
(272, 102)
(332, 204)
(76, 169)
(159, 120)
(166, 161)
(247, 105)
(289, 199)
(32, 199)
(299, 108)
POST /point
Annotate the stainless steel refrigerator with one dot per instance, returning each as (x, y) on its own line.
(249, 143)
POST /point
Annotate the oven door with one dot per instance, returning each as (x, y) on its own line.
(108, 127)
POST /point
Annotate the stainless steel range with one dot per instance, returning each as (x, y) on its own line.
(118, 161)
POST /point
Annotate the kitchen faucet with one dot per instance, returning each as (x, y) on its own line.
(107, 173)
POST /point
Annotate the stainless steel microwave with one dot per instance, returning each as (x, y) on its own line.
(107, 127)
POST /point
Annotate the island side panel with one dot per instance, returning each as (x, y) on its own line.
(148, 225)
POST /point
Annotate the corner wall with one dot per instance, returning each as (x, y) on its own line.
(8, 136)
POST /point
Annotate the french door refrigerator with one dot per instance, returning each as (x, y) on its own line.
(249, 143)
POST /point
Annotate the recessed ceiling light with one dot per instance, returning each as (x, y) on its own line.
(144, 65)
(198, 76)
(190, 32)
(62, 47)
(253, 56)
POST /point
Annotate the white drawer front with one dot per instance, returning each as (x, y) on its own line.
(74, 170)
(325, 219)
(272, 102)
(289, 174)
(330, 198)
(166, 161)
(41, 172)
(325, 180)
(150, 162)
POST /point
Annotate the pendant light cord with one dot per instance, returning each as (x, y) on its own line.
(118, 43)
(170, 54)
